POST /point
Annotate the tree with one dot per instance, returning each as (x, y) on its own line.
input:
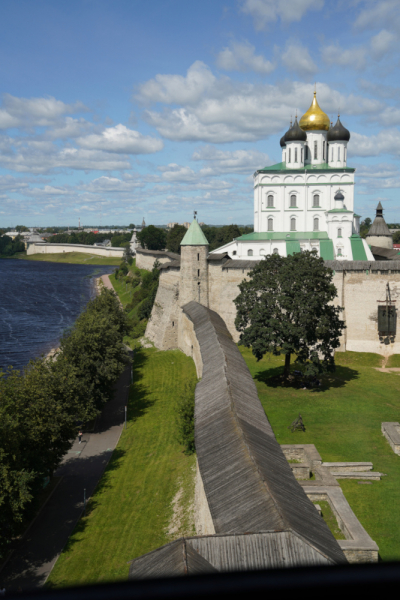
(21, 228)
(396, 237)
(131, 226)
(174, 238)
(152, 238)
(365, 227)
(285, 308)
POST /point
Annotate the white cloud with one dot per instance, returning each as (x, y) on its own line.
(381, 44)
(385, 142)
(235, 111)
(297, 59)
(175, 89)
(242, 57)
(121, 140)
(111, 185)
(266, 12)
(236, 161)
(354, 58)
(38, 112)
(384, 13)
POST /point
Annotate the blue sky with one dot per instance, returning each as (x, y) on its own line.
(111, 111)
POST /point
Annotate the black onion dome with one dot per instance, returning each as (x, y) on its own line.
(339, 196)
(338, 133)
(295, 133)
(282, 142)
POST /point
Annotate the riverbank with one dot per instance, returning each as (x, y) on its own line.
(72, 258)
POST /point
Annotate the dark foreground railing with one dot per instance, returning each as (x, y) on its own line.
(368, 579)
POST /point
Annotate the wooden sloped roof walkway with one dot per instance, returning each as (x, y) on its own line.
(248, 482)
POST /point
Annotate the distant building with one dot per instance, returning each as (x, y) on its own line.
(171, 225)
(187, 225)
(105, 244)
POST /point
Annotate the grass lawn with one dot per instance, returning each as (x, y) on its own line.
(131, 510)
(343, 419)
(79, 258)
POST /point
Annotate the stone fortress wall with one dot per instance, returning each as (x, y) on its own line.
(45, 248)
(360, 286)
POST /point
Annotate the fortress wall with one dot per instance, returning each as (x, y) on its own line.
(361, 293)
(223, 289)
(202, 516)
(145, 259)
(162, 328)
(47, 248)
(188, 343)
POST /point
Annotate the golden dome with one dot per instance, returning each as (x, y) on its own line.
(314, 118)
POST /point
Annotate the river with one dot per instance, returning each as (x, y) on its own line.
(38, 301)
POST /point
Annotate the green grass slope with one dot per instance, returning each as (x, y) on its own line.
(343, 419)
(130, 511)
(79, 258)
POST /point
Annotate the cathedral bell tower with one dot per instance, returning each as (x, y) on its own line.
(194, 267)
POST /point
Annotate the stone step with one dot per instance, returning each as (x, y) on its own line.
(357, 475)
(348, 466)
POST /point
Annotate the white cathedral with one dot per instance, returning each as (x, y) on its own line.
(307, 200)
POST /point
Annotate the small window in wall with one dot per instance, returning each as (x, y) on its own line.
(284, 157)
(339, 232)
(198, 272)
(249, 252)
(339, 252)
(316, 201)
(275, 251)
(198, 256)
(290, 153)
(293, 201)
(270, 224)
(306, 152)
(270, 201)
(302, 155)
(315, 150)
(295, 155)
(262, 251)
(338, 153)
(234, 253)
(292, 224)
(316, 224)
(323, 150)
(173, 323)
(345, 154)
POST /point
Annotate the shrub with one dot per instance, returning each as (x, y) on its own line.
(185, 417)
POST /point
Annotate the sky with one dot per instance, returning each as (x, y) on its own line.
(112, 111)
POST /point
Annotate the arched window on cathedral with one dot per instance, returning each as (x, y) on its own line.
(262, 252)
(293, 224)
(339, 252)
(316, 201)
(275, 251)
(339, 232)
(293, 201)
(284, 156)
(338, 153)
(315, 150)
(234, 253)
(290, 153)
(249, 252)
(295, 155)
(323, 150)
(345, 154)
(270, 224)
(316, 224)
(270, 201)
(302, 155)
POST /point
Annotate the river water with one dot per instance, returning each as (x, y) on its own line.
(38, 301)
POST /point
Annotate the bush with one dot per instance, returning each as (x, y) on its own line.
(185, 417)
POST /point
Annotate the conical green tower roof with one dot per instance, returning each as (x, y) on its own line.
(194, 236)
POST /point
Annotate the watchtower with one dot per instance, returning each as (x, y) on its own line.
(194, 268)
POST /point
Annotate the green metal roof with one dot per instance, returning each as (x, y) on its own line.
(194, 236)
(287, 236)
(321, 167)
(326, 250)
(292, 247)
(357, 248)
(339, 210)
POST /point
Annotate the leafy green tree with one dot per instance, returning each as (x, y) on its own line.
(131, 226)
(396, 237)
(152, 238)
(150, 281)
(174, 238)
(185, 417)
(284, 307)
(21, 228)
(9, 247)
(365, 227)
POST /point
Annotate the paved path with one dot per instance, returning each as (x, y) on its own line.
(82, 467)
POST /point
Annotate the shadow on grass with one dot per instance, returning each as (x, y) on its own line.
(274, 378)
(139, 402)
